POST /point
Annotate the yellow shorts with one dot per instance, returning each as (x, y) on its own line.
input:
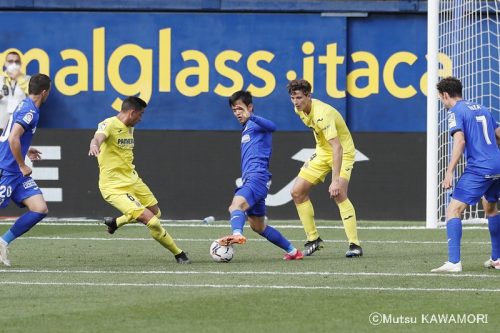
(130, 200)
(318, 166)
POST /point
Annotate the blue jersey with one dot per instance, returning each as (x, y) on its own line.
(256, 146)
(26, 115)
(478, 127)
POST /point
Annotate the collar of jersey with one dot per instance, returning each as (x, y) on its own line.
(119, 123)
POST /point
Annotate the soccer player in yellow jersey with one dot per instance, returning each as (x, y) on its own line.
(120, 185)
(334, 153)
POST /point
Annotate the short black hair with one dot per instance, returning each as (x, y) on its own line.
(301, 85)
(38, 83)
(450, 85)
(13, 52)
(245, 96)
(133, 103)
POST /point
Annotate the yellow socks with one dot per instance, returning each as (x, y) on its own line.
(306, 215)
(348, 216)
(122, 220)
(162, 236)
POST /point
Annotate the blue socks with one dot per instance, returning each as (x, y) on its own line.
(494, 227)
(454, 233)
(238, 220)
(8, 237)
(275, 237)
(24, 223)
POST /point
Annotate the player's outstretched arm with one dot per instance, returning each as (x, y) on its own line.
(95, 144)
(266, 124)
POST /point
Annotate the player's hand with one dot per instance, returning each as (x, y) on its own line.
(34, 154)
(26, 170)
(448, 180)
(94, 150)
(245, 114)
(334, 188)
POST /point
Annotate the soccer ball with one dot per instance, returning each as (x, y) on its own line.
(221, 253)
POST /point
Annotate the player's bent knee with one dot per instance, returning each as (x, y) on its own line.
(136, 214)
(158, 214)
(44, 211)
(297, 195)
(490, 209)
(257, 223)
(154, 224)
(258, 228)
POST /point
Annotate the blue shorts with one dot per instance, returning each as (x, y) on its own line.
(16, 187)
(471, 187)
(254, 190)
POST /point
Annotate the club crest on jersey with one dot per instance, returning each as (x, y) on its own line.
(245, 138)
(452, 122)
(28, 117)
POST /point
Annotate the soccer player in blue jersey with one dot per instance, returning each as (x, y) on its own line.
(15, 180)
(474, 130)
(249, 199)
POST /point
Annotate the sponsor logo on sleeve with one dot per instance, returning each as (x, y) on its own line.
(103, 126)
(245, 138)
(452, 122)
(28, 117)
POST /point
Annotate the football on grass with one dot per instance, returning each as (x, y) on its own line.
(221, 253)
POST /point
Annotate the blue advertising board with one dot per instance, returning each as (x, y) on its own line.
(185, 65)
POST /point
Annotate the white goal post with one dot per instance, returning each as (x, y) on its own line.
(463, 41)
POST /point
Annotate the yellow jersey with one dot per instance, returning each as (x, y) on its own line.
(327, 123)
(116, 155)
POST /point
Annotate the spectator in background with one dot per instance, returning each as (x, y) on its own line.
(13, 87)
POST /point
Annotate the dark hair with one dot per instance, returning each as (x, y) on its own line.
(38, 83)
(245, 96)
(13, 52)
(301, 85)
(133, 103)
(450, 85)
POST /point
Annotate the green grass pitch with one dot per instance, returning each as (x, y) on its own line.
(74, 277)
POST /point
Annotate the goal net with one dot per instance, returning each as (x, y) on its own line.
(468, 37)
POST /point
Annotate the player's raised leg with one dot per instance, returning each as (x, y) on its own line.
(237, 220)
(113, 223)
(133, 209)
(37, 211)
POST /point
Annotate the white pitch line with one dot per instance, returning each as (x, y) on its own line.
(280, 226)
(250, 239)
(247, 286)
(251, 273)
